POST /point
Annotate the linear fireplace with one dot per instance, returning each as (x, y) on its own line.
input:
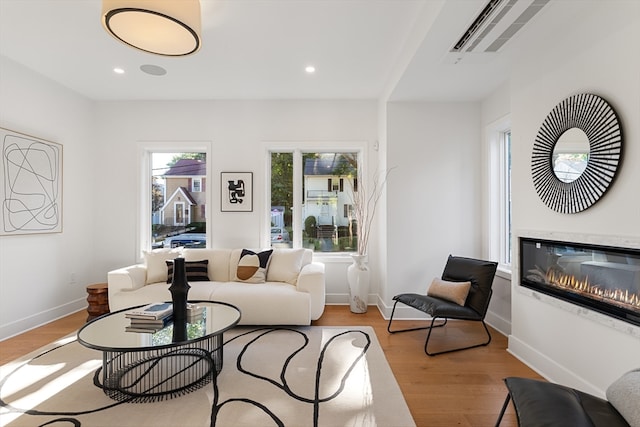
(602, 278)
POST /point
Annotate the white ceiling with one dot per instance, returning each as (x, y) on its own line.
(257, 49)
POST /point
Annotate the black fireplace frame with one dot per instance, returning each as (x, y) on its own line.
(621, 313)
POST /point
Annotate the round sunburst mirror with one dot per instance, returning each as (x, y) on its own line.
(576, 153)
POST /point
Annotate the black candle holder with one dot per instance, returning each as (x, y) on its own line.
(179, 291)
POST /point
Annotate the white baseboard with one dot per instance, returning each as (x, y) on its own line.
(403, 312)
(25, 324)
(499, 323)
(343, 299)
(336, 299)
(549, 369)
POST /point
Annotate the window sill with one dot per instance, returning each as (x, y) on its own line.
(504, 272)
(333, 257)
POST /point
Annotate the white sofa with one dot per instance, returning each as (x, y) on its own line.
(293, 293)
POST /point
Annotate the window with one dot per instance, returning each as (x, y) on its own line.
(505, 197)
(196, 185)
(348, 211)
(499, 178)
(174, 184)
(311, 198)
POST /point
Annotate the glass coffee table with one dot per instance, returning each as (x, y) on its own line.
(177, 359)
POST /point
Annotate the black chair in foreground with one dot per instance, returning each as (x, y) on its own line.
(463, 293)
(539, 403)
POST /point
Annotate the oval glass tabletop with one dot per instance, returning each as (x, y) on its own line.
(109, 332)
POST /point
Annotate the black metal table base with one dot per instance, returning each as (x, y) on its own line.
(149, 376)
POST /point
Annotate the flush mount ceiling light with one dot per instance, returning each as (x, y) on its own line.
(163, 27)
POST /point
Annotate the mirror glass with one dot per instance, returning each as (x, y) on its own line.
(571, 155)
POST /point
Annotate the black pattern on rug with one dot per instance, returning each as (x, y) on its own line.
(278, 380)
(66, 416)
(281, 382)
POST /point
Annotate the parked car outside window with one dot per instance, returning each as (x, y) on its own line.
(187, 240)
(279, 235)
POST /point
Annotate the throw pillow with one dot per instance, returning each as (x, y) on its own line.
(624, 395)
(450, 291)
(155, 263)
(197, 271)
(285, 265)
(252, 266)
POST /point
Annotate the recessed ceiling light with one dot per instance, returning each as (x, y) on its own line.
(154, 70)
(118, 70)
(310, 69)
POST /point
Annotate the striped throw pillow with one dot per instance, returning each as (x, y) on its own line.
(197, 271)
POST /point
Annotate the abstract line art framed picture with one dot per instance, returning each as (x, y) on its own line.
(31, 191)
(236, 191)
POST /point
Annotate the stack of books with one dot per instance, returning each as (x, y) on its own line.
(153, 317)
(149, 318)
(195, 313)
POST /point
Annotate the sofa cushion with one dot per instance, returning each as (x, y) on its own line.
(624, 395)
(155, 261)
(252, 266)
(197, 271)
(219, 260)
(285, 265)
(451, 291)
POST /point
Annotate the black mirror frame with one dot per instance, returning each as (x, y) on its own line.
(598, 120)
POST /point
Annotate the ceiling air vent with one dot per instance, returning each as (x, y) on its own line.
(496, 24)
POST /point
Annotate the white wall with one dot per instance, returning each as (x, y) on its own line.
(599, 54)
(238, 132)
(43, 276)
(433, 194)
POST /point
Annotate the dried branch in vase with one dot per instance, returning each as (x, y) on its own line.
(365, 203)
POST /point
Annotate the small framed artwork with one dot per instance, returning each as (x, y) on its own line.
(31, 188)
(236, 191)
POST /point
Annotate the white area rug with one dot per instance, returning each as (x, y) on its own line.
(303, 376)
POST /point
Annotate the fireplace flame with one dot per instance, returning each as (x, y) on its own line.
(569, 282)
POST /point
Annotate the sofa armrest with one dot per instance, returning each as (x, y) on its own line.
(312, 280)
(126, 279)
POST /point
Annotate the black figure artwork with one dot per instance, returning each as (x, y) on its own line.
(236, 191)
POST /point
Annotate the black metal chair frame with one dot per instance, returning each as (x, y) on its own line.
(433, 325)
(440, 309)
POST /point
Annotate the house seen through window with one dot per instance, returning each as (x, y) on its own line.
(178, 199)
(312, 200)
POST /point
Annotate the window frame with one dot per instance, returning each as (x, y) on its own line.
(298, 149)
(145, 149)
(196, 182)
(499, 225)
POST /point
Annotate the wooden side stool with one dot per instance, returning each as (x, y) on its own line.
(98, 299)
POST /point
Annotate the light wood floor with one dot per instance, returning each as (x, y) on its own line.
(457, 389)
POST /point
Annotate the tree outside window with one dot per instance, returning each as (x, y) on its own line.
(325, 185)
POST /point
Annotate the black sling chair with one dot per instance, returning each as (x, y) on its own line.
(458, 269)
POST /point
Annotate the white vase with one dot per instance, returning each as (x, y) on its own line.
(358, 279)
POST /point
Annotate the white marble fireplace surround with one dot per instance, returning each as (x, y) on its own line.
(567, 343)
(616, 241)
